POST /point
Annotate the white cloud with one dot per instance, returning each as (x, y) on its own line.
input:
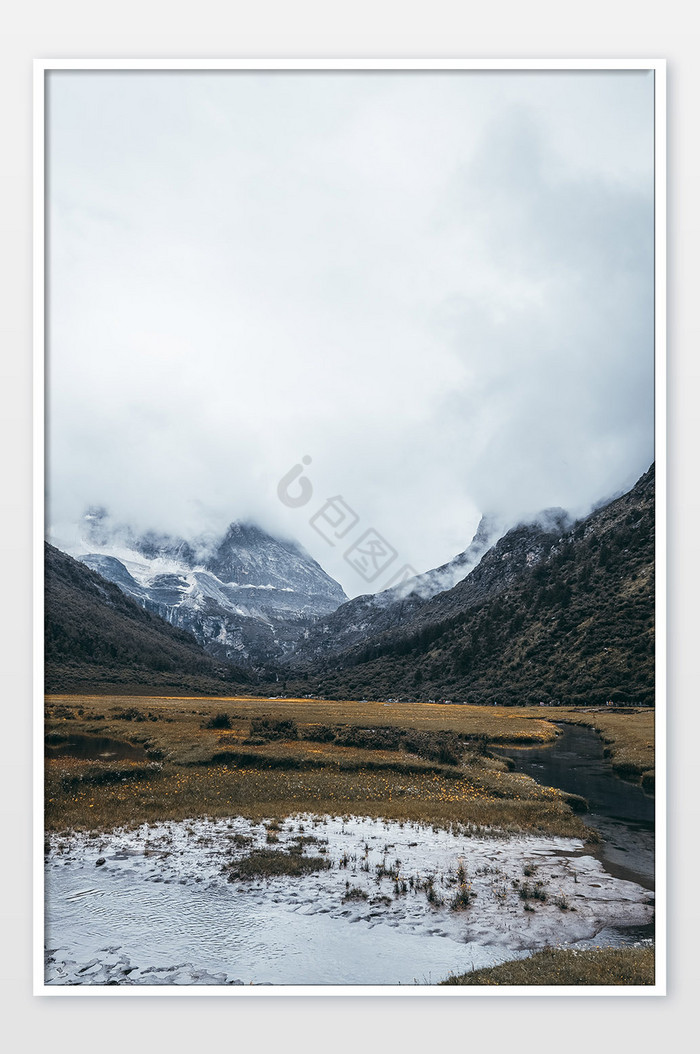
(438, 286)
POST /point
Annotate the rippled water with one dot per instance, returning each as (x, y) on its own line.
(260, 944)
(153, 907)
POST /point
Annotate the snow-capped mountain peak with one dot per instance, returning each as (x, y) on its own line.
(243, 594)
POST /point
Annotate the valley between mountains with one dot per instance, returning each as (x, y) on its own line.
(551, 611)
(236, 749)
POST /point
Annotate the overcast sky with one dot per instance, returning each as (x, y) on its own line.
(437, 286)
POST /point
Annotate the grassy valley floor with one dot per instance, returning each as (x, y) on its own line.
(117, 762)
(260, 758)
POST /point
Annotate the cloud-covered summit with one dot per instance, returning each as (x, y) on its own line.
(436, 286)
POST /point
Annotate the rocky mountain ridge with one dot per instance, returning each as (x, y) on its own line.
(246, 596)
(550, 612)
(487, 565)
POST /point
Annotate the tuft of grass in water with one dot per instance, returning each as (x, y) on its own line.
(568, 966)
(242, 840)
(355, 893)
(431, 894)
(465, 893)
(463, 897)
(298, 843)
(530, 890)
(270, 863)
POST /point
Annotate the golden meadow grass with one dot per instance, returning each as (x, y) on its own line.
(567, 966)
(182, 778)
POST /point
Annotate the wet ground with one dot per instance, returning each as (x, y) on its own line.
(155, 905)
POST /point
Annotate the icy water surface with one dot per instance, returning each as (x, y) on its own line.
(155, 905)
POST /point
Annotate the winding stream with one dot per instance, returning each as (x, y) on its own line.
(620, 811)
